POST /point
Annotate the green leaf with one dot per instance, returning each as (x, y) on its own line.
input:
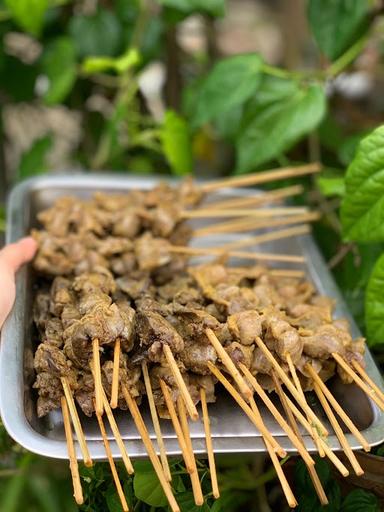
(112, 499)
(374, 304)
(147, 486)
(360, 500)
(336, 24)
(33, 160)
(59, 65)
(274, 127)
(28, 14)
(230, 83)
(362, 210)
(187, 503)
(331, 183)
(214, 7)
(176, 143)
(120, 64)
(99, 34)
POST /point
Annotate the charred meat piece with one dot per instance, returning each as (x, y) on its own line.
(50, 359)
(195, 357)
(240, 353)
(326, 340)
(281, 337)
(260, 364)
(154, 330)
(245, 326)
(151, 252)
(85, 393)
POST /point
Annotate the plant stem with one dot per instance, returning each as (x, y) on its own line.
(347, 58)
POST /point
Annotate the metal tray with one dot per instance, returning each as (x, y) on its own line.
(232, 432)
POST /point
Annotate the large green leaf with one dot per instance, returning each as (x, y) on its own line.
(274, 127)
(360, 500)
(29, 14)
(99, 34)
(337, 23)
(230, 83)
(187, 503)
(59, 65)
(176, 142)
(214, 7)
(147, 486)
(374, 304)
(362, 210)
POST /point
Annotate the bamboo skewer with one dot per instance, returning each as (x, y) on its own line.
(248, 411)
(362, 385)
(237, 212)
(296, 380)
(286, 272)
(368, 379)
(218, 251)
(328, 452)
(338, 431)
(115, 374)
(289, 496)
(140, 425)
(177, 427)
(267, 237)
(116, 433)
(274, 411)
(195, 480)
(112, 465)
(251, 224)
(338, 409)
(311, 468)
(261, 177)
(208, 441)
(192, 411)
(303, 404)
(228, 363)
(256, 200)
(76, 422)
(97, 376)
(77, 490)
(156, 423)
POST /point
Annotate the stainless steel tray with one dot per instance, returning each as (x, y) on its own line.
(231, 430)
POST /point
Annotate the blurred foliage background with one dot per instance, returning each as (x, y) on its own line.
(209, 87)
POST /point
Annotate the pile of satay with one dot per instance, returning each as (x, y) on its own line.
(122, 318)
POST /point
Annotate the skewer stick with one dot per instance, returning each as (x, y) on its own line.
(339, 410)
(140, 425)
(338, 431)
(115, 374)
(237, 212)
(274, 411)
(362, 385)
(177, 427)
(248, 411)
(192, 411)
(329, 453)
(195, 480)
(156, 423)
(208, 441)
(311, 468)
(97, 376)
(296, 380)
(112, 465)
(289, 496)
(261, 177)
(303, 404)
(116, 433)
(228, 363)
(77, 490)
(251, 224)
(368, 379)
(76, 422)
(286, 272)
(218, 251)
(265, 197)
(268, 237)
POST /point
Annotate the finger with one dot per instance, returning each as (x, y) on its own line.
(15, 255)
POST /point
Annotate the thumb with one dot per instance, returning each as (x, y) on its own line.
(15, 255)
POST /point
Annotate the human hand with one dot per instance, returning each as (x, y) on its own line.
(11, 258)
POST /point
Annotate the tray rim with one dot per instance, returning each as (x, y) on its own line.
(34, 441)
